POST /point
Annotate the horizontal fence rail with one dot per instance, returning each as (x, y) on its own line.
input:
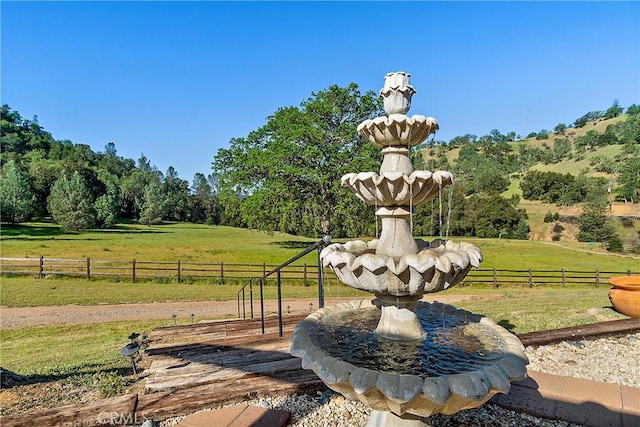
(220, 272)
(141, 269)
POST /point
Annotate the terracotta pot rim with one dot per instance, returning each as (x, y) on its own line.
(631, 283)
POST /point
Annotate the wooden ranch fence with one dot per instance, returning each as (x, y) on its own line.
(219, 272)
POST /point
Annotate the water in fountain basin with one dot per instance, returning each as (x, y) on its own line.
(451, 346)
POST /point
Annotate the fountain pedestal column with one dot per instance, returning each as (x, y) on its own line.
(398, 318)
(395, 236)
(389, 419)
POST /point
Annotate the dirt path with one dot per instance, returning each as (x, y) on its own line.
(591, 252)
(19, 317)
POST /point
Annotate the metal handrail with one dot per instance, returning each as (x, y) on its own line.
(326, 240)
(242, 290)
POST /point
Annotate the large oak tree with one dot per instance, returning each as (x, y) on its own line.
(287, 173)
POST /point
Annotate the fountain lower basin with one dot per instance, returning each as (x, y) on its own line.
(463, 360)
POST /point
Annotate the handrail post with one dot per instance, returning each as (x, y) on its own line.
(320, 279)
(251, 294)
(279, 304)
(238, 302)
(262, 304)
(244, 305)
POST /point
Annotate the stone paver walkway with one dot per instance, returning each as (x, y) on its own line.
(576, 400)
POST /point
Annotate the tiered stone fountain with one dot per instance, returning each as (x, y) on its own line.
(405, 358)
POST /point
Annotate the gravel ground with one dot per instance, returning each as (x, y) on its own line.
(611, 360)
(607, 360)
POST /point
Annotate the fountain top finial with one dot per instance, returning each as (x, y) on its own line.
(397, 93)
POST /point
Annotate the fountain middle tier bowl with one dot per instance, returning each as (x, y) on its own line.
(398, 130)
(397, 188)
(463, 360)
(438, 265)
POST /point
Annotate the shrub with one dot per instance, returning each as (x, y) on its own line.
(557, 228)
(614, 244)
(626, 222)
(555, 237)
(548, 217)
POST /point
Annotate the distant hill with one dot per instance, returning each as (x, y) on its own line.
(592, 162)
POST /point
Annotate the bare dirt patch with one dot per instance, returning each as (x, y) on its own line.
(19, 317)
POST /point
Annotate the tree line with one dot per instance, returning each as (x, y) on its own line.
(82, 189)
(285, 175)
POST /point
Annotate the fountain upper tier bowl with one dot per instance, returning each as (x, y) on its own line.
(398, 130)
(437, 266)
(397, 188)
(463, 361)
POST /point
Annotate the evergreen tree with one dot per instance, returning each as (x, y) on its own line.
(153, 207)
(16, 198)
(521, 231)
(593, 221)
(107, 205)
(176, 192)
(70, 203)
(204, 202)
(614, 244)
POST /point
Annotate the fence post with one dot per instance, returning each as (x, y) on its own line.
(530, 279)
(222, 272)
(597, 278)
(495, 278)
(133, 271)
(88, 268)
(41, 267)
(264, 269)
(563, 278)
(178, 271)
(628, 272)
(305, 275)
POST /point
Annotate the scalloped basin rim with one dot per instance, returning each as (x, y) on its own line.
(423, 396)
(631, 283)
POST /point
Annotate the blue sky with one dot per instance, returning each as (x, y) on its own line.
(177, 80)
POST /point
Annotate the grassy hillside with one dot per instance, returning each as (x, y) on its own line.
(576, 165)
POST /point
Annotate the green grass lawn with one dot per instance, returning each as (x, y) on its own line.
(202, 243)
(167, 242)
(29, 292)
